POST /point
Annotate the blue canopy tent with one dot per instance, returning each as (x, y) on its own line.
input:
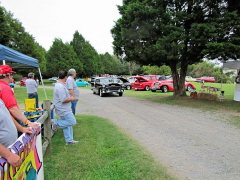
(16, 59)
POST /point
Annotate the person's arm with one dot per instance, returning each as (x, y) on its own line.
(12, 158)
(15, 111)
(69, 99)
(71, 92)
(22, 129)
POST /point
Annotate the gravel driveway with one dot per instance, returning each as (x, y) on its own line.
(192, 144)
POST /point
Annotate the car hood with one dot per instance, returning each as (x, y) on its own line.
(123, 79)
(141, 78)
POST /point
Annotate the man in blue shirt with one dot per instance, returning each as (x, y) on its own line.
(62, 102)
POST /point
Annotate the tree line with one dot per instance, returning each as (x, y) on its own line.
(177, 33)
(78, 53)
(173, 36)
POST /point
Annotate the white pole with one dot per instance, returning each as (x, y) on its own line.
(42, 83)
(4, 62)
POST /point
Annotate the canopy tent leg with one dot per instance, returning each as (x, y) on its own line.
(42, 83)
(4, 62)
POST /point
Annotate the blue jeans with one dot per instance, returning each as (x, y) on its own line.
(32, 96)
(74, 104)
(66, 122)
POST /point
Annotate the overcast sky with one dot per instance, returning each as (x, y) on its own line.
(49, 19)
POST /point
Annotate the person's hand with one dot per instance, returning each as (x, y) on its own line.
(73, 98)
(14, 160)
(33, 125)
(27, 130)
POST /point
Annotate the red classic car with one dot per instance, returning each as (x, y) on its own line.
(23, 81)
(167, 85)
(144, 82)
(206, 79)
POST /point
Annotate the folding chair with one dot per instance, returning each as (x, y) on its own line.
(31, 112)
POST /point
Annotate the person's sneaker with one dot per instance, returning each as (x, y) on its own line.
(73, 142)
(54, 126)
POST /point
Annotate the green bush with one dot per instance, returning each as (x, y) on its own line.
(17, 77)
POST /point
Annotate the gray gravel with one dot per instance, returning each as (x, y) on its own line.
(192, 144)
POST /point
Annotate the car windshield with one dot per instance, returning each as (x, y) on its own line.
(150, 77)
(109, 80)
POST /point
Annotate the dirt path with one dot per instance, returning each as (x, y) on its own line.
(192, 144)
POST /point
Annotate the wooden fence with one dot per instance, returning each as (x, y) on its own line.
(45, 119)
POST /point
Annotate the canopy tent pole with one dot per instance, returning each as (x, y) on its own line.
(4, 62)
(42, 83)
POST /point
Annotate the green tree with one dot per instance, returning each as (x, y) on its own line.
(110, 64)
(175, 33)
(208, 69)
(5, 33)
(61, 56)
(86, 54)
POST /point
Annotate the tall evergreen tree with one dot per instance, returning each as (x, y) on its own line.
(5, 33)
(176, 33)
(61, 56)
(86, 54)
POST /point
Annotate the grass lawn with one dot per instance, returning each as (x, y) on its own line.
(228, 104)
(103, 152)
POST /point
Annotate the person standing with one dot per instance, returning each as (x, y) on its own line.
(7, 95)
(31, 86)
(9, 135)
(62, 102)
(72, 87)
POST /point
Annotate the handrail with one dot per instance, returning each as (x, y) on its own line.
(45, 119)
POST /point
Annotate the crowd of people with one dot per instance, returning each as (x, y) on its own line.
(12, 121)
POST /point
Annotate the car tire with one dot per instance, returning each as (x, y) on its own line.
(164, 89)
(153, 90)
(120, 94)
(147, 88)
(94, 92)
(100, 93)
(189, 88)
(128, 87)
(86, 85)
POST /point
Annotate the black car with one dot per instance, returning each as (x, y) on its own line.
(126, 84)
(107, 85)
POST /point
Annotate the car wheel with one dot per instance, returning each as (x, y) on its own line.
(120, 94)
(86, 85)
(100, 93)
(128, 87)
(189, 88)
(153, 90)
(147, 88)
(164, 89)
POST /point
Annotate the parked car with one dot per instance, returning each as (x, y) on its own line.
(167, 85)
(131, 79)
(82, 83)
(126, 84)
(53, 79)
(206, 79)
(144, 82)
(92, 80)
(190, 79)
(107, 85)
(23, 81)
(12, 84)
